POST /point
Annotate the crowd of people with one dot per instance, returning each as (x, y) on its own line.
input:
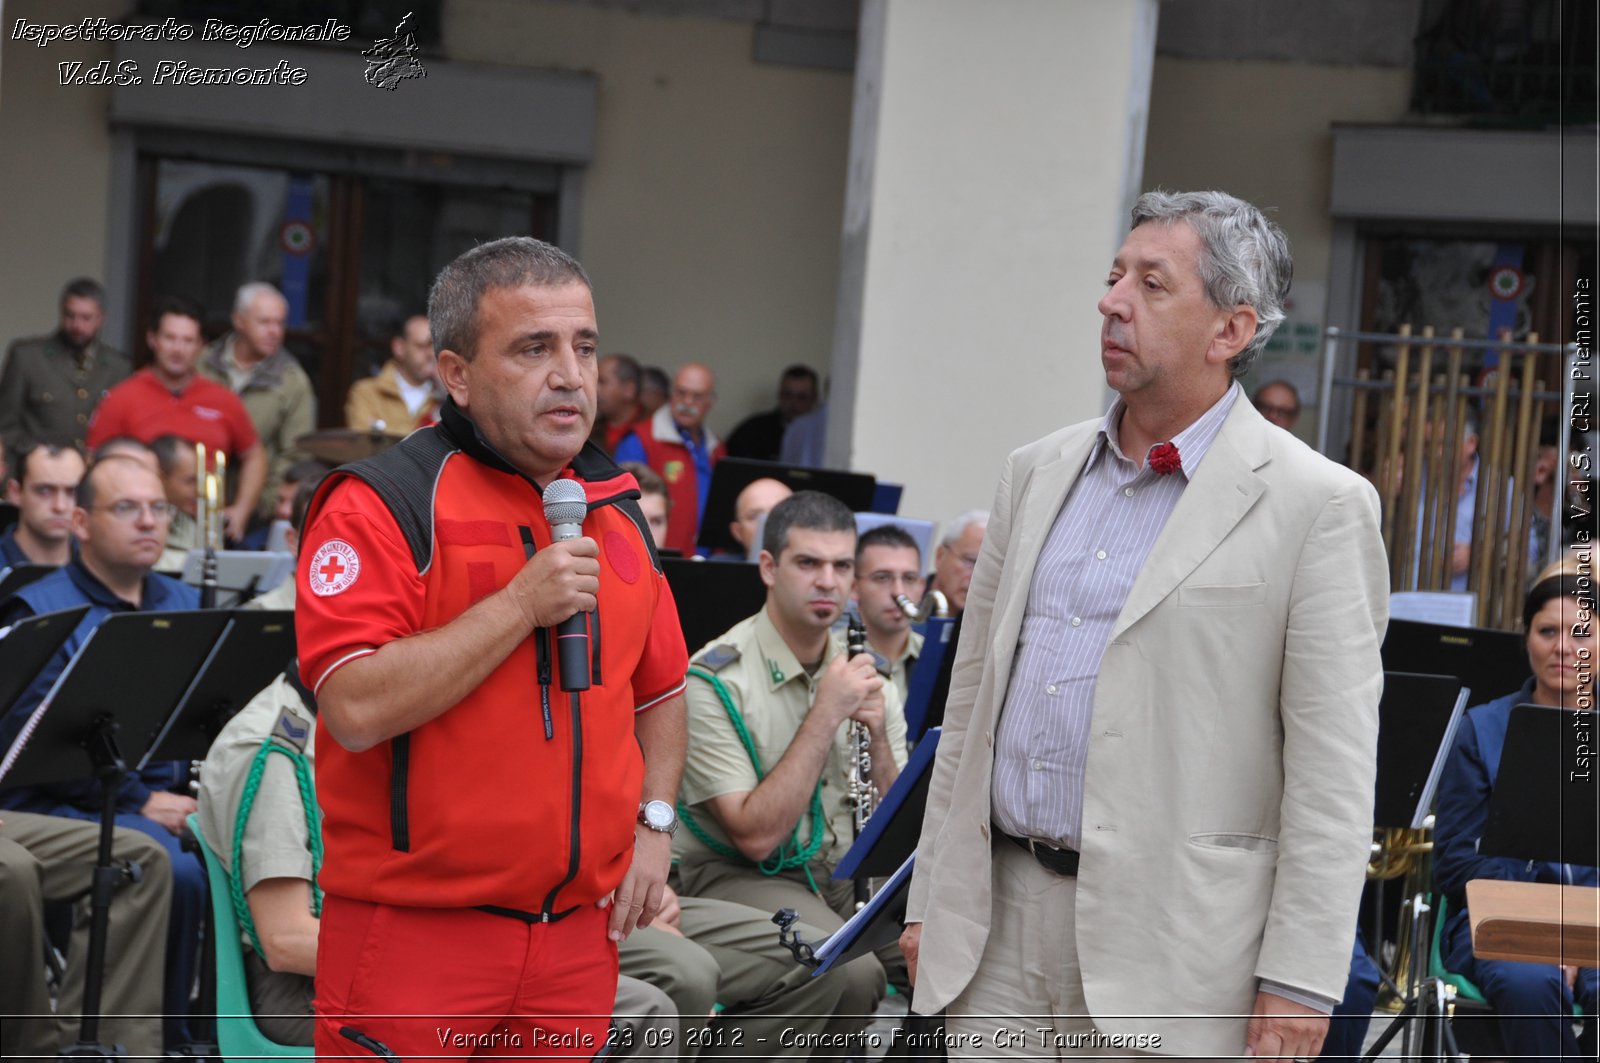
(496, 805)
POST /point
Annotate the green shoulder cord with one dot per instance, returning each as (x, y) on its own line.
(247, 800)
(789, 855)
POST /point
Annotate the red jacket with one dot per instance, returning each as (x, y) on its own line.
(666, 453)
(491, 802)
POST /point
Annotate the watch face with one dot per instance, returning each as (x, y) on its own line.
(659, 815)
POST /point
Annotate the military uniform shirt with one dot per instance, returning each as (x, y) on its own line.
(773, 693)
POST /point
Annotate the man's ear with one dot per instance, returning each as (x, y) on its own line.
(453, 375)
(769, 569)
(1235, 333)
(80, 524)
(13, 492)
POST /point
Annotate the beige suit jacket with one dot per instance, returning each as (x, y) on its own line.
(1229, 785)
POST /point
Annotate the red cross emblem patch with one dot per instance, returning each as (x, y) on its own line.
(334, 568)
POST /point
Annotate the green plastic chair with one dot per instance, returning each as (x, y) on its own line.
(238, 1036)
(1465, 990)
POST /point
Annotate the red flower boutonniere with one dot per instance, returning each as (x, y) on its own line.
(1164, 458)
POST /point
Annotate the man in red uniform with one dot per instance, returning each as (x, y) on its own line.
(677, 443)
(478, 821)
(170, 397)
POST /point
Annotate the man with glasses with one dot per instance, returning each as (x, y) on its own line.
(120, 524)
(676, 443)
(954, 557)
(47, 477)
(889, 564)
(1279, 402)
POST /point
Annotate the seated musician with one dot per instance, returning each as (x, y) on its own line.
(120, 523)
(47, 475)
(766, 786)
(1560, 650)
(889, 567)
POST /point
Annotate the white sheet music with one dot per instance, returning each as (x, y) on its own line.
(1454, 608)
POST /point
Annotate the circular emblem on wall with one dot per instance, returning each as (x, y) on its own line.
(1507, 282)
(296, 238)
(334, 568)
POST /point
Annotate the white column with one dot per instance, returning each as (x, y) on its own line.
(996, 149)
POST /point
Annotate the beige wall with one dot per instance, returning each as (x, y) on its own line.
(1263, 131)
(55, 157)
(710, 219)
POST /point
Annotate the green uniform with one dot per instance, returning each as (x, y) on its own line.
(48, 391)
(279, 398)
(900, 667)
(773, 694)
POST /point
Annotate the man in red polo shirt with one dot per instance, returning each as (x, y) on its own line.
(479, 817)
(169, 397)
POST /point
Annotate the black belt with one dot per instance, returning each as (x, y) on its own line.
(1061, 861)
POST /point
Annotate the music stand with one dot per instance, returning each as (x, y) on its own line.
(891, 833)
(82, 715)
(1417, 720)
(254, 648)
(1490, 663)
(241, 573)
(732, 475)
(938, 639)
(1546, 798)
(27, 646)
(877, 924)
(712, 596)
(16, 577)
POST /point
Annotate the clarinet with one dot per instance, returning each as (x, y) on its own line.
(863, 796)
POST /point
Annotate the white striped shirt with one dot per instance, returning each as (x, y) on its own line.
(1111, 519)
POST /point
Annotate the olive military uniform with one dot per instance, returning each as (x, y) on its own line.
(49, 391)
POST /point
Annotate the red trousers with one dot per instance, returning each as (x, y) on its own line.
(446, 983)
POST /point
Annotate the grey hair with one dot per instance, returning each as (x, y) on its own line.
(1244, 257)
(958, 526)
(511, 262)
(249, 293)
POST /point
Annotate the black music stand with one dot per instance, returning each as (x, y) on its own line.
(94, 712)
(877, 924)
(1546, 797)
(891, 833)
(27, 646)
(938, 640)
(16, 577)
(1490, 663)
(712, 596)
(255, 647)
(732, 475)
(1417, 720)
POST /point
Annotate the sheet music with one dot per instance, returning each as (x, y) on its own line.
(853, 927)
(1456, 609)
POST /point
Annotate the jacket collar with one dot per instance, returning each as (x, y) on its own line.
(666, 430)
(591, 464)
(98, 593)
(268, 373)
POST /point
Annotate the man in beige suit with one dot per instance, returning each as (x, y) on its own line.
(1149, 819)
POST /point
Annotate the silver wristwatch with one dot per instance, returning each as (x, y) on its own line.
(659, 816)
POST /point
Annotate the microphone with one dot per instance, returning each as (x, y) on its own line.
(565, 507)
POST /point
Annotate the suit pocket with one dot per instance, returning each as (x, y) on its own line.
(1249, 843)
(1222, 595)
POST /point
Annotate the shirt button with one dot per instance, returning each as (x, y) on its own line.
(83, 418)
(82, 394)
(1100, 555)
(1051, 689)
(1128, 491)
(1038, 765)
(1077, 621)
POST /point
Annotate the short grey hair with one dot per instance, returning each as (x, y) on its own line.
(958, 527)
(512, 262)
(249, 293)
(1244, 258)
